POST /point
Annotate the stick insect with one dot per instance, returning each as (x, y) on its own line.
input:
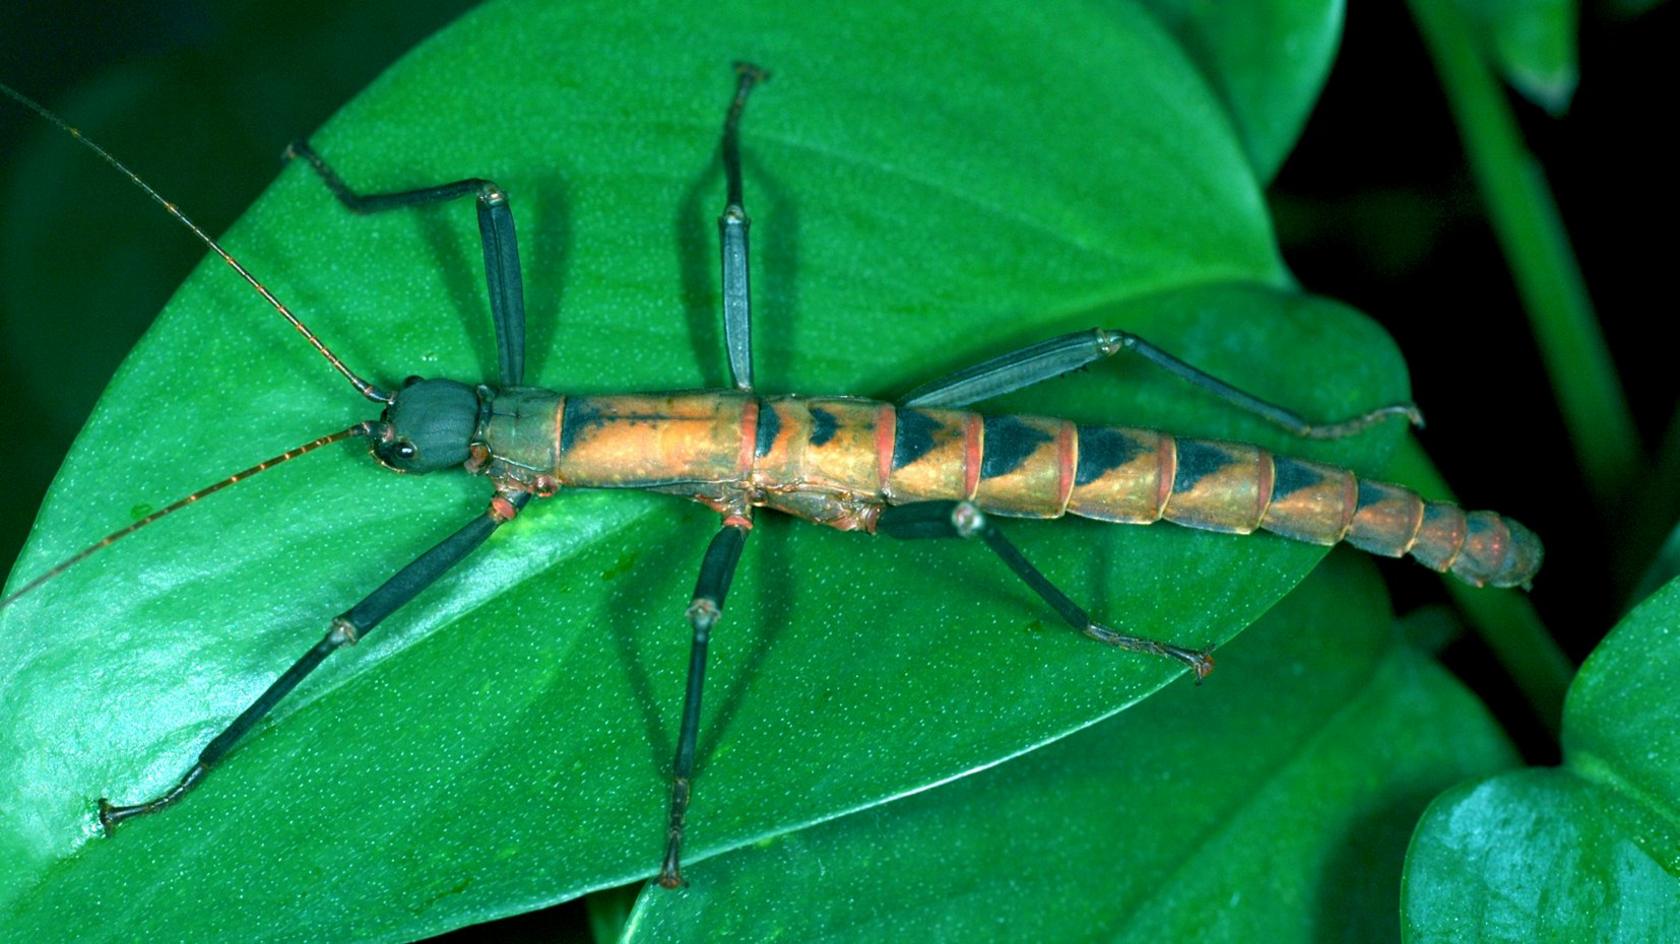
(922, 467)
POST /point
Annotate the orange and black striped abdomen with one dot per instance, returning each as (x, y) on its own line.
(1026, 465)
(1041, 467)
(931, 455)
(1140, 476)
(1009, 465)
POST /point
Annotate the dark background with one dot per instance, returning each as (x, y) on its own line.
(1375, 207)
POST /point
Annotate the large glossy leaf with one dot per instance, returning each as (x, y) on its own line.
(1272, 804)
(1589, 851)
(1267, 59)
(504, 741)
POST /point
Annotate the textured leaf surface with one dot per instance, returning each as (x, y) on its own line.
(1267, 59)
(504, 742)
(1589, 851)
(1272, 804)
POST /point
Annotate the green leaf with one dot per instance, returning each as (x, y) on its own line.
(1271, 804)
(1533, 44)
(1267, 59)
(1589, 851)
(504, 742)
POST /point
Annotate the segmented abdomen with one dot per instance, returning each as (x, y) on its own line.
(1040, 467)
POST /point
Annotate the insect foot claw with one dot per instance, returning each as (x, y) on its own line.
(110, 816)
(1200, 662)
(751, 72)
(670, 874)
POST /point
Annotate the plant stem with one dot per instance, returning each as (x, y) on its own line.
(1536, 247)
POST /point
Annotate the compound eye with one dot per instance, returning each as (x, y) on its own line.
(405, 450)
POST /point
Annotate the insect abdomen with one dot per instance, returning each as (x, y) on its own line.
(1042, 468)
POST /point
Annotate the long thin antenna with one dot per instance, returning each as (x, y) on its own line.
(363, 428)
(363, 387)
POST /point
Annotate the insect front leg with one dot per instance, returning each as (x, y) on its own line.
(961, 519)
(495, 230)
(717, 571)
(345, 629)
(1016, 370)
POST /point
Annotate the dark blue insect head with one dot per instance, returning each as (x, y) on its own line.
(428, 426)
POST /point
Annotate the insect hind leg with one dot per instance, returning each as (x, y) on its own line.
(495, 230)
(1045, 360)
(961, 519)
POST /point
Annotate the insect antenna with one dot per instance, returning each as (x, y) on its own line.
(362, 386)
(364, 428)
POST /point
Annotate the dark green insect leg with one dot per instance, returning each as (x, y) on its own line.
(346, 628)
(717, 571)
(1007, 373)
(960, 519)
(732, 235)
(495, 229)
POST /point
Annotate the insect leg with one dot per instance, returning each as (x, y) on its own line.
(717, 570)
(732, 235)
(495, 230)
(961, 519)
(1057, 356)
(346, 628)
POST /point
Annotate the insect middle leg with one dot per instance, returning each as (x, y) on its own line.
(495, 230)
(1057, 356)
(717, 572)
(732, 235)
(961, 519)
(345, 629)
(717, 569)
